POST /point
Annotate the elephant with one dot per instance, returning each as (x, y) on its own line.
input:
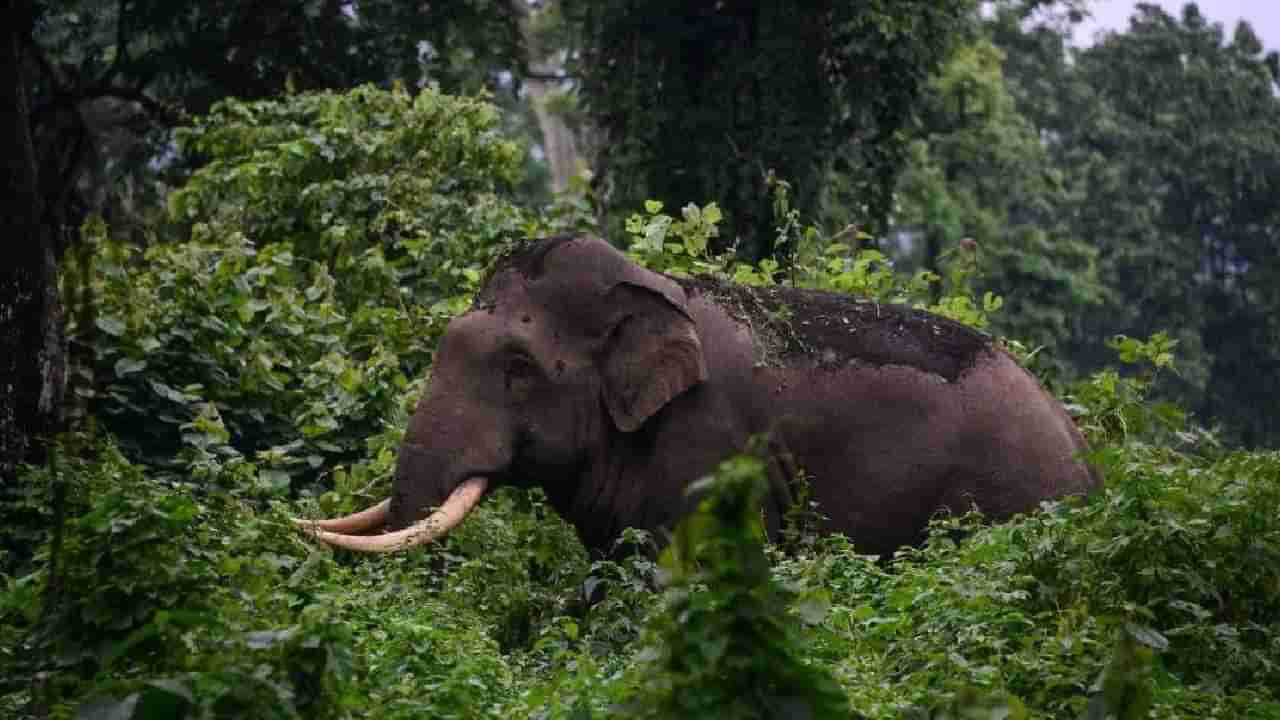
(613, 388)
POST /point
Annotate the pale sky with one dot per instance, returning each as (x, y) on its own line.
(1263, 15)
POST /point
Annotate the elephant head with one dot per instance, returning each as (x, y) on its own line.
(566, 342)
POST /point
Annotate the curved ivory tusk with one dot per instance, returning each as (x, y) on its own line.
(353, 523)
(454, 510)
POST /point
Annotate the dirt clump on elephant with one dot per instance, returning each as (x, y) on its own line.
(613, 388)
(794, 326)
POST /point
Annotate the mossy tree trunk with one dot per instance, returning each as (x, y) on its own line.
(32, 357)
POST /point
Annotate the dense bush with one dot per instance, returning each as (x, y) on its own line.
(252, 358)
(725, 645)
(683, 247)
(1039, 607)
(328, 239)
(1163, 587)
(166, 599)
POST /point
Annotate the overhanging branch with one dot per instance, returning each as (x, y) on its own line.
(166, 114)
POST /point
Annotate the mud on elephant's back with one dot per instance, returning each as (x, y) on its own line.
(800, 326)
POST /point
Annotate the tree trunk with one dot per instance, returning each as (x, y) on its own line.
(558, 141)
(32, 353)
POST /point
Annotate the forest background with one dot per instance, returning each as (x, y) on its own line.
(236, 230)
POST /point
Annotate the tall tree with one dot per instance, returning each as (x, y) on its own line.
(700, 101)
(543, 30)
(1191, 125)
(1168, 140)
(31, 377)
(979, 171)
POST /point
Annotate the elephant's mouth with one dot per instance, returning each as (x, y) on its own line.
(339, 532)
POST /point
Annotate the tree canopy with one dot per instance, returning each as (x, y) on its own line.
(704, 101)
(1167, 144)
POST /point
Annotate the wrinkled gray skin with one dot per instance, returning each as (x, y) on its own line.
(613, 387)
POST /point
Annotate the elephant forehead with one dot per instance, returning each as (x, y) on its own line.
(563, 302)
(519, 321)
(557, 268)
(582, 259)
(482, 327)
(586, 261)
(471, 333)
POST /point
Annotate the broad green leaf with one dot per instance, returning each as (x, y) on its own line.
(110, 325)
(126, 366)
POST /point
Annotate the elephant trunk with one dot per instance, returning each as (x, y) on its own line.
(455, 509)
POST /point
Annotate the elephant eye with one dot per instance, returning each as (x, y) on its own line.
(520, 364)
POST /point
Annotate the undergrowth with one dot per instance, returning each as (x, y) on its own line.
(1160, 592)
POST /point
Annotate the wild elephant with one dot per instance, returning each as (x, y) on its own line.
(613, 387)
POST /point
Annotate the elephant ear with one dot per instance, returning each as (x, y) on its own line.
(652, 355)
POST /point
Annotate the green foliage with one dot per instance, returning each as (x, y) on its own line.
(420, 655)
(284, 338)
(727, 92)
(1162, 138)
(979, 192)
(170, 602)
(358, 179)
(195, 56)
(165, 603)
(111, 80)
(1115, 603)
(682, 247)
(1112, 408)
(1162, 590)
(1184, 545)
(253, 359)
(725, 645)
(331, 239)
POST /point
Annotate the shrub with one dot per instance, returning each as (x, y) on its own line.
(682, 247)
(163, 602)
(725, 645)
(331, 237)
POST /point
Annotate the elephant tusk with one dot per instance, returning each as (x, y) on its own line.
(353, 523)
(455, 509)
